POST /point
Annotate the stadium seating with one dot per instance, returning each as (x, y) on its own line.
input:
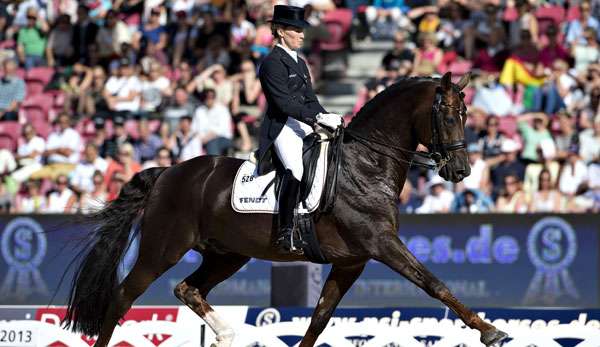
(9, 135)
(37, 78)
(37, 107)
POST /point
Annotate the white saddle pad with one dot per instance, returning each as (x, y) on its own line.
(248, 187)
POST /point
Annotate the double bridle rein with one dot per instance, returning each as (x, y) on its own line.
(440, 152)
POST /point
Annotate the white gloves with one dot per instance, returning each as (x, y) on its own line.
(329, 120)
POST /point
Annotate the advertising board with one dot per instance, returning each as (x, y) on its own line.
(487, 260)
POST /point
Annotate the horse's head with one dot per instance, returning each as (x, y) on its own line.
(445, 137)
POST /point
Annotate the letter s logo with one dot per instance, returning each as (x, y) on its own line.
(23, 244)
(551, 239)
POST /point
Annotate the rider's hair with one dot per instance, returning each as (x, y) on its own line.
(274, 28)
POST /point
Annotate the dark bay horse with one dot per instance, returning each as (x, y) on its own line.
(187, 206)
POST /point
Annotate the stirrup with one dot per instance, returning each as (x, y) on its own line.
(286, 244)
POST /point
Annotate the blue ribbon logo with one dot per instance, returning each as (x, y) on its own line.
(23, 248)
(552, 247)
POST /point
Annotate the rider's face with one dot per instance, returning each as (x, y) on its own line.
(292, 37)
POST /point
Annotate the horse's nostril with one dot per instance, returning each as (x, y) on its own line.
(461, 172)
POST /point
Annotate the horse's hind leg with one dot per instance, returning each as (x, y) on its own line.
(192, 291)
(392, 252)
(338, 282)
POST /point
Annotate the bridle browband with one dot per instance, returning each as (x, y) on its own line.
(440, 152)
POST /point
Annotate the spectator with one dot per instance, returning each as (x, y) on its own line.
(567, 135)
(589, 142)
(485, 39)
(546, 198)
(525, 22)
(400, 54)
(63, 144)
(91, 98)
(492, 141)
(125, 164)
(12, 91)
(33, 201)
(79, 78)
(533, 136)
(547, 152)
(84, 35)
(59, 48)
(510, 165)
(116, 182)
(29, 154)
(147, 144)
(110, 146)
(122, 92)
(62, 150)
(475, 127)
(32, 40)
(479, 179)
(162, 159)
(574, 173)
(246, 88)
(94, 200)
(548, 98)
(212, 123)
(409, 201)
(180, 106)
(576, 28)
(241, 29)
(427, 57)
(439, 198)
(152, 39)
(111, 37)
(82, 176)
(553, 50)
(512, 199)
(215, 78)
(586, 53)
(58, 199)
(472, 201)
(187, 143)
(155, 89)
(180, 38)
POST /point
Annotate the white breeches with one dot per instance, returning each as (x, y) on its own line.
(288, 145)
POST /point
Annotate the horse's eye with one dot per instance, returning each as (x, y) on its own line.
(450, 120)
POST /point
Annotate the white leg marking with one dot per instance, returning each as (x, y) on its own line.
(224, 332)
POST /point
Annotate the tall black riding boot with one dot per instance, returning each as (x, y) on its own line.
(288, 199)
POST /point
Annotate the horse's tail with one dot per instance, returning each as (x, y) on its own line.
(95, 280)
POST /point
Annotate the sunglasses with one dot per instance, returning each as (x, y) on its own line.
(32, 17)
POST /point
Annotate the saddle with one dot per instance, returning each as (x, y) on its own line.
(321, 159)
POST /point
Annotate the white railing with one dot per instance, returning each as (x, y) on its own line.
(171, 334)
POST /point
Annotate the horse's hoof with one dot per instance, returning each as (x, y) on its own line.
(492, 337)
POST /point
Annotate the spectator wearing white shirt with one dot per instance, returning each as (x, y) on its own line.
(589, 142)
(58, 200)
(62, 150)
(438, 200)
(212, 123)
(573, 174)
(29, 154)
(187, 143)
(122, 92)
(82, 177)
(154, 89)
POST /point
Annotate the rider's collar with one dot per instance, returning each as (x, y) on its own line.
(292, 54)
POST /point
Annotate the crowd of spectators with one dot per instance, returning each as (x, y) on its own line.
(533, 128)
(94, 91)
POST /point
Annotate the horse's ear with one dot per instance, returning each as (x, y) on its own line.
(446, 81)
(464, 80)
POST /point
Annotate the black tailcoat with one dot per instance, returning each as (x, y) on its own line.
(289, 93)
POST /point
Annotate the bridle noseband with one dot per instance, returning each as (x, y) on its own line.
(439, 154)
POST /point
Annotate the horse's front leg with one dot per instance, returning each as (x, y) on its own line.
(338, 282)
(392, 252)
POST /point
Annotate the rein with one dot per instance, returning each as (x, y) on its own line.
(440, 154)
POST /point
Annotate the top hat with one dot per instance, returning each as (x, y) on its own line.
(289, 15)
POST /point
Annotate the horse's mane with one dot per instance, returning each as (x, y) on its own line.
(391, 91)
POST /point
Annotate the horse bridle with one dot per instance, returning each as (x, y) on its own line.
(439, 153)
